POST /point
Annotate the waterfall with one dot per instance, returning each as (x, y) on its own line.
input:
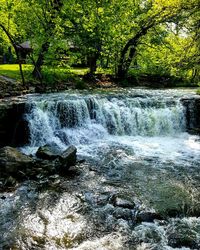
(138, 187)
(79, 119)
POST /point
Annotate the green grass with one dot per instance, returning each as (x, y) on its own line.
(104, 71)
(50, 73)
(57, 76)
(12, 70)
(79, 71)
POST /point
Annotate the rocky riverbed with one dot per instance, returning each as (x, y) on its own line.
(86, 209)
(137, 189)
(16, 167)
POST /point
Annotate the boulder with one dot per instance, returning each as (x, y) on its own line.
(68, 158)
(44, 167)
(122, 213)
(47, 153)
(183, 233)
(148, 217)
(63, 160)
(120, 201)
(13, 162)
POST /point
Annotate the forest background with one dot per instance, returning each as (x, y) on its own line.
(133, 42)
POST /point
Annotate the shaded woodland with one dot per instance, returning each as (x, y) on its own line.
(141, 40)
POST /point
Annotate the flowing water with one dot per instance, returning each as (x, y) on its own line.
(138, 189)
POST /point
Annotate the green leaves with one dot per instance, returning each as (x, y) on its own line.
(166, 33)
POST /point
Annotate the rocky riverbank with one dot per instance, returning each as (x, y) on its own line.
(10, 87)
(86, 211)
(16, 167)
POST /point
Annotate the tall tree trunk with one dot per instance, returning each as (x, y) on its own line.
(20, 68)
(124, 63)
(16, 52)
(129, 52)
(93, 63)
(38, 64)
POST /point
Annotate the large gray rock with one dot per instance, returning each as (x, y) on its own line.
(12, 161)
(47, 153)
(120, 202)
(68, 158)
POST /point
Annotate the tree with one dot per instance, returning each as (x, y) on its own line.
(112, 34)
(7, 9)
(86, 26)
(149, 15)
(43, 18)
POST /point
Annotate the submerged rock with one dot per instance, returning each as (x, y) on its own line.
(148, 217)
(122, 213)
(118, 201)
(184, 233)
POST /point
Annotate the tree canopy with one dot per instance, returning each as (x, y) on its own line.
(124, 36)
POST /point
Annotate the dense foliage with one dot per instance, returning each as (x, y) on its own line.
(127, 37)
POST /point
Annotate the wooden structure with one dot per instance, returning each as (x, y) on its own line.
(24, 49)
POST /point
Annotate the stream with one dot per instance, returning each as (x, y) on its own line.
(138, 188)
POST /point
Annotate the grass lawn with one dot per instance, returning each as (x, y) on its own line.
(12, 70)
(51, 75)
(79, 71)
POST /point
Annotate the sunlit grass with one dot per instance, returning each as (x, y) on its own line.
(12, 70)
(79, 71)
(104, 71)
(52, 75)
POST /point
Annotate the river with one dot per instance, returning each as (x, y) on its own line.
(138, 189)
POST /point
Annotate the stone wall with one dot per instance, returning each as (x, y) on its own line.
(192, 114)
(13, 127)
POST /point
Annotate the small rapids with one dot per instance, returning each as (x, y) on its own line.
(138, 189)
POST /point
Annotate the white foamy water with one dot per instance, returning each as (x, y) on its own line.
(150, 123)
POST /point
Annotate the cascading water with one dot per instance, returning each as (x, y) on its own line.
(139, 187)
(81, 120)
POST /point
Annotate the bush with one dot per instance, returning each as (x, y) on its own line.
(80, 84)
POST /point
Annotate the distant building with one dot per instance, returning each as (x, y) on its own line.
(24, 49)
